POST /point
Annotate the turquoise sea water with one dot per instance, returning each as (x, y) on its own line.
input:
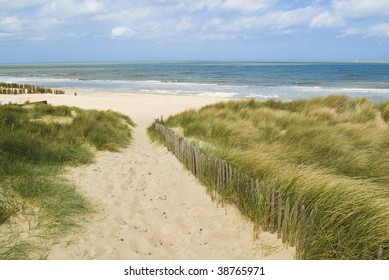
(262, 80)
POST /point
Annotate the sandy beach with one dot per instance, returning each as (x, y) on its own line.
(147, 205)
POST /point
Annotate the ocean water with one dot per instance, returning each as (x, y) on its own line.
(262, 80)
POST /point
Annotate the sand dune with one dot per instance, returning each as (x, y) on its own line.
(147, 205)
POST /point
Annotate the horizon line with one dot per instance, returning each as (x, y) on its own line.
(356, 61)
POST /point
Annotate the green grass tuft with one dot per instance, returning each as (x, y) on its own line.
(36, 142)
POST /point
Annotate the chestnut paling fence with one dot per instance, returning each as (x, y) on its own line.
(266, 206)
(13, 88)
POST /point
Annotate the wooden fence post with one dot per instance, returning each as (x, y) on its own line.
(194, 161)
(279, 214)
(285, 222)
(217, 173)
(294, 224)
(273, 212)
(268, 204)
(379, 253)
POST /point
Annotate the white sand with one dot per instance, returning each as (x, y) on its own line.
(147, 205)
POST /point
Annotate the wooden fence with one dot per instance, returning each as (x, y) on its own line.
(267, 207)
(13, 88)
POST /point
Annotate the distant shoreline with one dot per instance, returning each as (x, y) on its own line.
(197, 61)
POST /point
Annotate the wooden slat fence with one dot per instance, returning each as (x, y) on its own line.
(265, 205)
(13, 88)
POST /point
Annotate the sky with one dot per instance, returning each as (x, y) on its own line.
(166, 30)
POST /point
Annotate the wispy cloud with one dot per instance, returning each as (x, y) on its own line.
(7, 5)
(12, 24)
(71, 8)
(241, 6)
(185, 19)
(122, 32)
(327, 19)
(184, 24)
(380, 30)
(246, 6)
(359, 9)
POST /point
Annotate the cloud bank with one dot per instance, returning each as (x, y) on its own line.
(190, 20)
(105, 30)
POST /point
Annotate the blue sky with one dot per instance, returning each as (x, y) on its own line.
(160, 30)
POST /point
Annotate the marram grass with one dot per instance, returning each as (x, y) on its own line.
(331, 154)
(36, 141)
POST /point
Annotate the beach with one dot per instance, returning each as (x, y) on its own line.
(147, 205)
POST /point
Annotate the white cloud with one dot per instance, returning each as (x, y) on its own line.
(17, 4)
(27, 28)
(70, 8)
(217, 37)
(350, 32)
(10, 24)
(135, 14)
(379, 30)
(122, 32)
(240, 6)
(278, 20)
(327, 19)
(292, 18)
(187, 19)
(246, 5)
(282, 22)
(185, 24)
(45, 23)
(200, 4)
(346, 12)
(5, 35)
(356, 9)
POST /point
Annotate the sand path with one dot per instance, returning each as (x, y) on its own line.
(147, 205)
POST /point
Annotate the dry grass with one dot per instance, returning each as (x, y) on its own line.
(329, 153)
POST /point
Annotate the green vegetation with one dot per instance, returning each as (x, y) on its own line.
(36, 142)
(329, 153)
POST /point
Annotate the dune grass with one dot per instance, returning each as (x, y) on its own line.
(36, 142)
(329, 153)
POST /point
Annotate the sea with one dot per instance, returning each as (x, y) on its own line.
(261, 80)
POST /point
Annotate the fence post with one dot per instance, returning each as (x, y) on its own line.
(273, 212)
(222, 173)
(269, 194)
(225, 173)
(226, 169)
(218, 173)
(231, 172)
(379, 253)
(285, 222)
(194, 161)
(294, 224)
(279, 214)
